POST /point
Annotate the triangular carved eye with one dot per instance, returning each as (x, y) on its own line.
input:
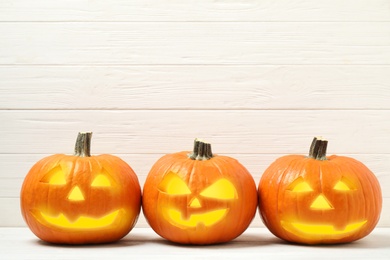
(55, 176)
(101, 181)
(344, 185)
(221, 189)
(299, 185)
(174, 185)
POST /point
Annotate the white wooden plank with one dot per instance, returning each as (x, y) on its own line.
(11, 216)
(199, 87)
(195, 43)
(195, 10)
(14, 167)
(115, 68)
(165, 131)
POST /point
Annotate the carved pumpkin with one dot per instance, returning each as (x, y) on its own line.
(319, 199)
(198, 197)
(80, 199)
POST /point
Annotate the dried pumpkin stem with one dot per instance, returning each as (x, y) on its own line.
(318, 149)
(82, 147)
(202, 151)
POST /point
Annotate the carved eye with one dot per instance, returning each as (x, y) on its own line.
(299, 185)
(221, 189)
(55, 177)
(173, 185)
(101, 181)
(344, 185)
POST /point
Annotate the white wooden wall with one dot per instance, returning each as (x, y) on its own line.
(258, 79)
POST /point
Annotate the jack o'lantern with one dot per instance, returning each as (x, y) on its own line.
(198, 197)
(319, 199)
(80, 199)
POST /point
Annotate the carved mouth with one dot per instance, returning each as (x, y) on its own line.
(311, 229)
(83, 222)
(207, 219)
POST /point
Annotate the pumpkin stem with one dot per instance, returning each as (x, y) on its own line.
(318, 149)
(82, 147)
(202, 151)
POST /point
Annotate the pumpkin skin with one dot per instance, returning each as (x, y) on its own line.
(204, 200)
(319, 199)
(74, 199)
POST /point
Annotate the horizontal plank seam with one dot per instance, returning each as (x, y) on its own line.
(185, 64)
(111, 109)
(192, 21)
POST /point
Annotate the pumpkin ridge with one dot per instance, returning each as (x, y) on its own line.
(355, 207)
(54, 197)
(201, 222)
(372, 186)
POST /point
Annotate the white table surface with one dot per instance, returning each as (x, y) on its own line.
(143, 243)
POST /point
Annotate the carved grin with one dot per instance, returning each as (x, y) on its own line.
(311, 229)
(83, 222)
(207, 219)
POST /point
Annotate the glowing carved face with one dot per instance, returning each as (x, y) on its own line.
(80, 199)
(67, 199)
(194, 207)
(319, 199)
(319, 203)
(88, 201)
(57, 178)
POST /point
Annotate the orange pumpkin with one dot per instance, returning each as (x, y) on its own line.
(198, 197)
(80, 199)
(319, 199)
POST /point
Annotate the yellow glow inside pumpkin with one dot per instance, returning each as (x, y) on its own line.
(302, 187)
(321, 203)
(221, 189)
(82, 222)
(323, 229)
(344, 185)
(55, 177)
(173, 185)
(299, 185)
(195, 203)
(75, 194)
(101, 181)
(208, 218)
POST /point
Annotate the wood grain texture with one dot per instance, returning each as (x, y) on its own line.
(195, 87)
(165, 131)
(195, 10)
(206, 43)
(258, 79)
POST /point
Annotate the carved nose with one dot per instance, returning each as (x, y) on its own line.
(321, 203)
(75, 194)
(195, 203)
